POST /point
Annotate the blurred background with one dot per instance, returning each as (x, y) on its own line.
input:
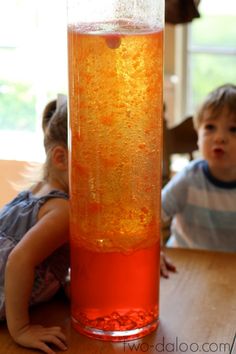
(200, 54)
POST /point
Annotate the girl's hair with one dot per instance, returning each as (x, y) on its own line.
(54, 124)
(222, 97)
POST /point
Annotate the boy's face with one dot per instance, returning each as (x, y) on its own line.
(217, 143)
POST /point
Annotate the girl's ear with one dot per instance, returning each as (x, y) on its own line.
(60, 158)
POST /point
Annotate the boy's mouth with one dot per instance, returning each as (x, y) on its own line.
(218, 152)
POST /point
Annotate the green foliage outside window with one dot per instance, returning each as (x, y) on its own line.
(209, 70)
(17, 106)
(214, 31)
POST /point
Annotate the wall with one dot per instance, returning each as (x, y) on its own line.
(11, 172)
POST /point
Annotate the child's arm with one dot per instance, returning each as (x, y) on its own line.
(50, 232)
(166, 264)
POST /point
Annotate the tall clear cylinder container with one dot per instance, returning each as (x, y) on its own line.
(115, 57)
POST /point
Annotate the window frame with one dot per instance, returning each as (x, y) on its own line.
(183, 49)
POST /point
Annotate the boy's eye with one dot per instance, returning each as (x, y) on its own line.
(209, 127)
(232, 129)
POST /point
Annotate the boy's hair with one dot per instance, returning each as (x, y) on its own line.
(54, 124)
(222, 97)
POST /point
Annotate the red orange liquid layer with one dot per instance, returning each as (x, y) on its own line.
(113, 291)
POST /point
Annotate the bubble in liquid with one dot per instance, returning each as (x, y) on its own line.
(113, 41)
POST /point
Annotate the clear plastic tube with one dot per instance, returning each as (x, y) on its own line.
(115, 104)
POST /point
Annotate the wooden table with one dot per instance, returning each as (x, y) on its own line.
(198, 312)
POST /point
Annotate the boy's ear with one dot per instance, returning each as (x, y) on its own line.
(60, 157)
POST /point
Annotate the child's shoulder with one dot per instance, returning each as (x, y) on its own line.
(26, 205)
(193, 170)
(195, 166)
(54, 199)
(56, 194)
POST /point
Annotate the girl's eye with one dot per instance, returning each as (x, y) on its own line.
(232, 129)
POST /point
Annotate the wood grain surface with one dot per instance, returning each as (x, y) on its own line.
(198, 312)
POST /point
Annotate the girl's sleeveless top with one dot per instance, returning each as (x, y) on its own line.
(16, 218)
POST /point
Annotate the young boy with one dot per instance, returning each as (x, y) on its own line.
(201, 199)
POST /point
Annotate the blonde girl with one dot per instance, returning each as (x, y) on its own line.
(34, 231)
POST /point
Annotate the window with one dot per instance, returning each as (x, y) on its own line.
(205, 55)
(211, 50)
(33, 70)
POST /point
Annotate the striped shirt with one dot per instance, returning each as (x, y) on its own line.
(202, 208)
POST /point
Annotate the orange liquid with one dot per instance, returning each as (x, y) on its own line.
(115, 292)
(115, 87)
